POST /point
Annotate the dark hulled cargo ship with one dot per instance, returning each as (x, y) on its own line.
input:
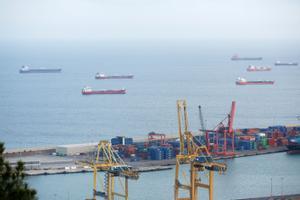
(294, 143)
(236, 57)
(253, 68)
(242, 81)
(286, 63)
(103, 76)
(25, 69)
(89, 91)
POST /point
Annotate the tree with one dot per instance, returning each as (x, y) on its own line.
(12, 184)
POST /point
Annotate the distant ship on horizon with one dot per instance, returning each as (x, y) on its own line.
(252, 68)
(104, 76)
(27, 69)
(88, 91)
(243, 81)
(237, 57)
(286, 63)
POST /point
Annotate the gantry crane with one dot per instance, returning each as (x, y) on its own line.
(108, 161)
(196, 156)
(152, 136)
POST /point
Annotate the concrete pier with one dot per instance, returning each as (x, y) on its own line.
(283, 197)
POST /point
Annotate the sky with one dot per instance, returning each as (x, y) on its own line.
(149, 19)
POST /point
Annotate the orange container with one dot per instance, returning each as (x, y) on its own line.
(284, 141)
(272, 142)
(247, 137)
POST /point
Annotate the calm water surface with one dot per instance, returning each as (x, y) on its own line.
(246, 177)
(48, 109)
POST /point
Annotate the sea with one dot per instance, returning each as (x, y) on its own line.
(247, 177)
(47, 109)
(38, 110)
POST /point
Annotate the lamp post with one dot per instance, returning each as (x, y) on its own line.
(281, 186)
(271, 188)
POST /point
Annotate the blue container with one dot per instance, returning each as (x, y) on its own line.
(115, 141)
(263, 130)
(128, 141)
(175, 144)
(155, 153)
(167, 152)
(245, 145)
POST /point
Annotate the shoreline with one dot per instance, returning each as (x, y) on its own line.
(41, 161)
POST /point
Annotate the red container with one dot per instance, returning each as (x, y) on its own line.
(284, 141)
(272, 142)
(143, 155)
(275, 134)
(130, 150)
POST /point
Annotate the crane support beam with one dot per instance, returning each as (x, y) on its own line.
(198, 157)
(110, 162)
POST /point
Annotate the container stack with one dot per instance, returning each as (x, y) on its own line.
(264, 142)
(129, 150)
(246, 143)
(174, 144)
(121, 140)
(142, 153)
(167, 153)
(154, 153)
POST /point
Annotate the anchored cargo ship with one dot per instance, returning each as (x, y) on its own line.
(294, 143)
(243, 81)
(26, 69)
(88, 91)
(253, 68)
(103, 76)
(236, 57)
(286, 63)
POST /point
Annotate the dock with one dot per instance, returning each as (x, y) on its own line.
(39, 162)
(281, 197)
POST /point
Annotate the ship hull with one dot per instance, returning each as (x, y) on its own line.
(236, 59)
(293, 147)
(114, 77)
(103, 92)
(294, 144)
(255, 83)
(259, 70)
(286, 64)
(40, 71)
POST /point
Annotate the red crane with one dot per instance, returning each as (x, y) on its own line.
(152, 136)
(216, 139)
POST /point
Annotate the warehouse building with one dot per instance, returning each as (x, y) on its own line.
(75, 149)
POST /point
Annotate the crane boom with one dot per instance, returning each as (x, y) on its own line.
(201, 119)
(231, 118)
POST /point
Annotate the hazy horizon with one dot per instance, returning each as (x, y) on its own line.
(146, 20)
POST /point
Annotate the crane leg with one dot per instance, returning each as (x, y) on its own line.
(176, 186)
(192, 182)
(95, 182)
(211, 183)
(126, 188)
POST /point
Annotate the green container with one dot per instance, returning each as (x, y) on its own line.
(254, 145)
(264, 141)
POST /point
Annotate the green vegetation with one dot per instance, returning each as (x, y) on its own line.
(12, 185)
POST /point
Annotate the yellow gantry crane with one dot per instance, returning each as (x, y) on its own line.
(197, 157)
(108, 161)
